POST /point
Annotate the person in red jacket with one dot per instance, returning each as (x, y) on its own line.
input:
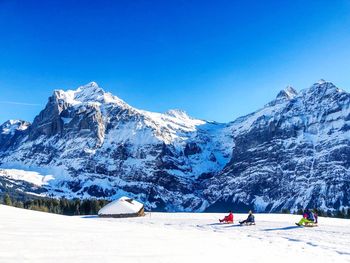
(227, 219)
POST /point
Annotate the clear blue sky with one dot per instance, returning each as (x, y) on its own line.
(215, 59)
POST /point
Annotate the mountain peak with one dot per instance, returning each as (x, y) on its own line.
(91, 86)
(10, 126)
(321, 81)
(320, 89)
(288, 93)
(90, 91)
(177, 113)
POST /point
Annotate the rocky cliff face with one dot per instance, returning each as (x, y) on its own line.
(96, 145)
(294, 152)
(10, 132)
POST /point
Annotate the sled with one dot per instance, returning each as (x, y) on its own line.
(308, 224)
(226, 222)
(248, 224)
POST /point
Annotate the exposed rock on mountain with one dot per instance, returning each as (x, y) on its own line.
(10, 131)
(293, 153)
(96, 145)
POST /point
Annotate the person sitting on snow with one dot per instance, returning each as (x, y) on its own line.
(250, 219)
(228, 218)
(308, 218)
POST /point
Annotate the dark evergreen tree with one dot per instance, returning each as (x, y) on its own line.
(7, 200)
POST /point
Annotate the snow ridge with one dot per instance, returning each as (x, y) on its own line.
(292, 153)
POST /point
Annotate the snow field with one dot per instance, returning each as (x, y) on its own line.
(30, 236)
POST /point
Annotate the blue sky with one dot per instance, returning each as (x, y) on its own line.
(217, 60)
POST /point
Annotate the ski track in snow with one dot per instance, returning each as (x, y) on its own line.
(29, 236)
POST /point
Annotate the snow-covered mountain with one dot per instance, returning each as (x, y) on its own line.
(292, 153)
(97, 145)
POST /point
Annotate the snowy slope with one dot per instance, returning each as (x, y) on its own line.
(29, 236)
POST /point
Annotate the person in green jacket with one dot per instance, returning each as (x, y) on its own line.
(308, 218)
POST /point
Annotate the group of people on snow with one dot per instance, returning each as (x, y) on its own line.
(309, 218)
(229, 219)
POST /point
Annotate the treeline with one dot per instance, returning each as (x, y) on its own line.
(65, 206)
(58, 206)
(343, 213)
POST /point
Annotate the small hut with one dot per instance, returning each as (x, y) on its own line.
(123, 207)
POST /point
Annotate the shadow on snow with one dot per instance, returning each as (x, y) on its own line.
(90, 216)
(281, 228)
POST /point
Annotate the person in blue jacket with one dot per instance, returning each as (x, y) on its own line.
(250, 219)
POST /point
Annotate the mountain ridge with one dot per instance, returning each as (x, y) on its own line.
(99, 146)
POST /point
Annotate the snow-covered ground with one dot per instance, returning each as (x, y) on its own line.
(29, 236)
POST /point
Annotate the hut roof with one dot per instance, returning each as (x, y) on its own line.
(122, 206)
